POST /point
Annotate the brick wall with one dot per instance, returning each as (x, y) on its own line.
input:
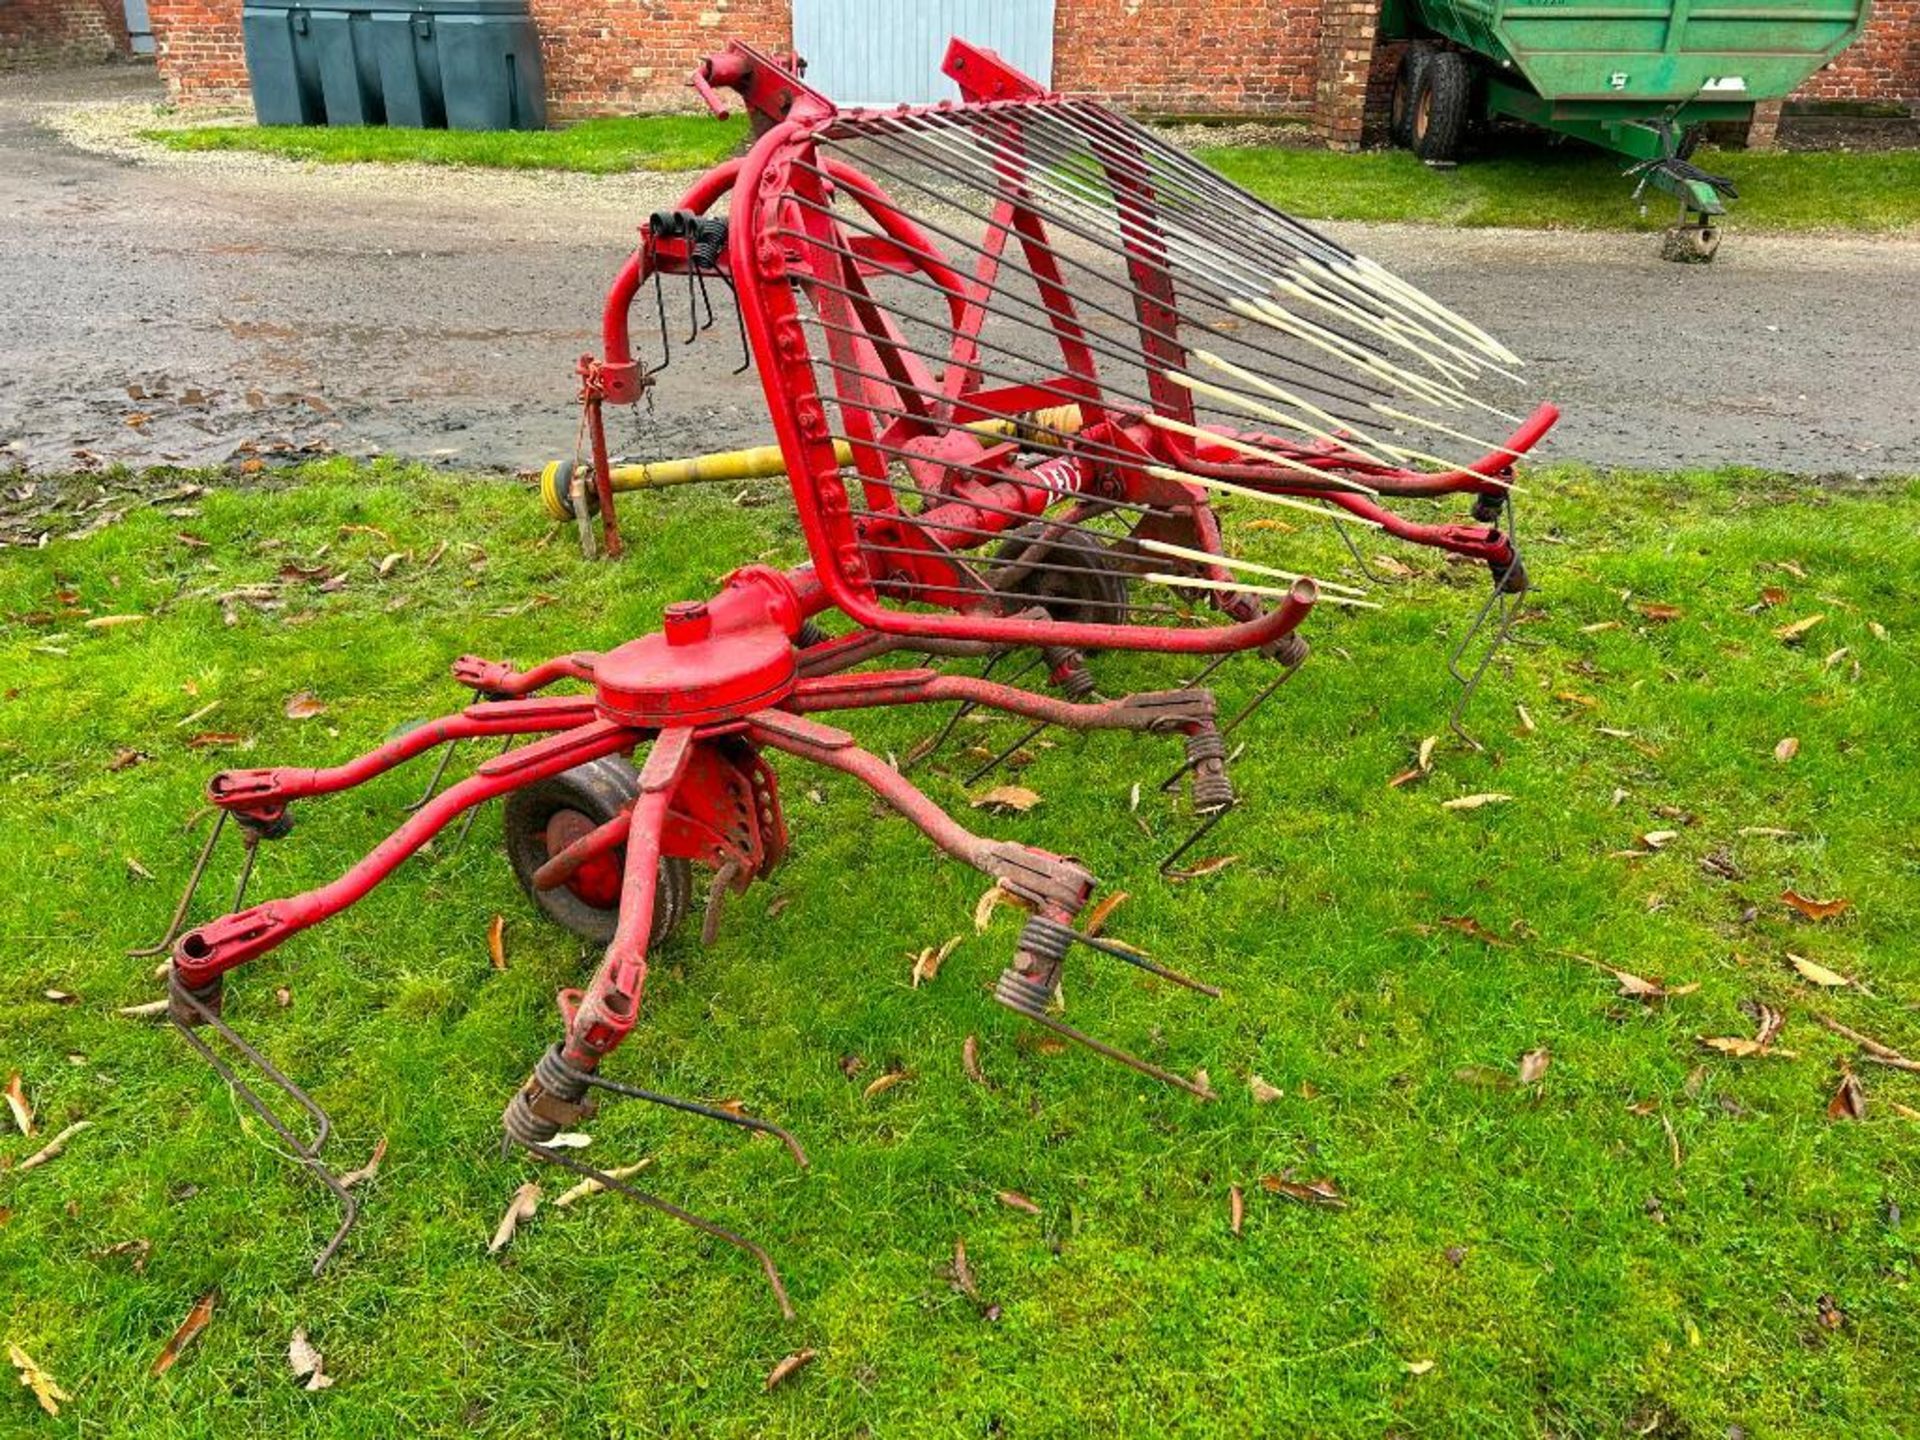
(1269, 57)
(60, 32)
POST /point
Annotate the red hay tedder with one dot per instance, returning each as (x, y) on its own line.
(996, 340)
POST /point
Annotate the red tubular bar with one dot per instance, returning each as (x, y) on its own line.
(499, 679)
(267, 789)
(920, 687)
(202, 955)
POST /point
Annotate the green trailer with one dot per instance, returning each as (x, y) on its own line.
(1638, 77)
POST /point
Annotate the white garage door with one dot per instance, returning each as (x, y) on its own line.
(882, 52)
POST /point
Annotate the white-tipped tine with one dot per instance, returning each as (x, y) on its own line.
(1194, 432)
(1201, 557)
(1227, 487)
(1379, 276)
(1236, 587)
(1487, 445)
(1334, 425)
(1421, 387)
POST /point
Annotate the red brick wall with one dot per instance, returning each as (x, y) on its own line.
(1884, 64)
(1273, 57)
(1189, 56)
(196, 45)
(60, 32)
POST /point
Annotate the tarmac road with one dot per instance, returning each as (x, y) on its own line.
(201, 309)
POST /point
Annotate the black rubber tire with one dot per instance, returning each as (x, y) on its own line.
(1406, 83)
(598, 791)
(1096, 598)
(1690, 244)
(1442, 106)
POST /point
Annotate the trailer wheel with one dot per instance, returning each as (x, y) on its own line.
(1442, 103)
(544, 818)
(1406, 86)
(1690, 244)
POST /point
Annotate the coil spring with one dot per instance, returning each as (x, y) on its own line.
(709, 239)
(1207, 759)
(810, 635)
(556, 1076)
(1289, 650)
(1069, 670)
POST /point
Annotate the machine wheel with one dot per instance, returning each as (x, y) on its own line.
(1096, 598)
(1442, 104)
(544, 818)
(1406, 84)
(1690, 244)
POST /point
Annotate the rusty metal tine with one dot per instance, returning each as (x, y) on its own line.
(439, 774)
(466, 822)
(308, 1154)
(1213, 819)
(711, 1112)
(1144, 962)
(1132, 1062)
(665, 1207)
(1346, 538)
(165, 942)
(252, 851)
(961, 711)
(1265, 695)
(1004, 755)
(1506, 607)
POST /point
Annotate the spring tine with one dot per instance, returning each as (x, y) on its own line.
(710, 1112)
(1213, 818)
(308, 1154)
(1206, 670)
(1260, 699)
(165, 942)
(961, 711)
(706, 300)
(739, 319)
(439, 772)
(1145, 962)
(1346, 538)
(466, 822)
(252, 850)
(660, 304)
(1499, 604)
(994, 764)
(1113, 1052)
(685, 1217)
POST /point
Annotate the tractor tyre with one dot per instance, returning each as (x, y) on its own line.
(1690, 244)
(1442, 106)
(1083, 583)
(1406, 85)
(544, 818)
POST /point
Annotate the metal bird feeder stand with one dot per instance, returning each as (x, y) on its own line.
(987, 410)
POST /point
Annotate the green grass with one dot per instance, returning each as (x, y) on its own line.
(648, 142)
(1525, 182)
(1542, 1250)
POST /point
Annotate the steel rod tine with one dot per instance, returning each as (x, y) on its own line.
(665, 1207)
(439, 774)
(660, 305)
(739, 319)
(252, 850)
(1113, 1052)
(473, 811)
(165, 942)
(706, 300)
(307, 1153)
(1145, 962)
(964, 709)
(1213, 818)
(1353, 549)
(710, 1112)
(994, 764)
(1259, 700)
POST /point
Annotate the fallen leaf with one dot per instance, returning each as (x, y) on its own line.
(1905, 1112)
(208, 739)
(1533, 1065)
(1263, 1093)
(1406, 777)
(497, 942)
(1787, 749)
(1236, 1209)
(1014, 1200)
(304, 706)
(1467, 925)
(580, 1140)
(61, 997)
(1484, 1076)
(189, 1331)
(1526, 720)
(1474, 802)
(1203, 1083)
(798, 1360)
(53, 1147)
(1417, 1367)
(1817, 973)
(282, 996)
(1097, 920)
(1659, 839)
(1599, 627)
(960, 1273)
(525, 1201)
(368, 1170)
(593, 1186)
(387, 562)
(1831, 1315)
(970, 1060)
(928, 965)
(1814, 909)
(306, 1362)
(1661, 614)
(989, 901)
(1766, 832)
(111, 622)
(1849, 1101)
(139, 1249)
(1007, 797)
(883, 1083)
(44, 1387)
(1204, 868)
(1308, 1192)
(142, 1011)
(1792, 634)
(125, 758)
(18, 1103)
(1772, 595)
(1633, 987)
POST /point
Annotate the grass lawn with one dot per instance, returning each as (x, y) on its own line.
(646, 142)
(1525, 181)
(1656, 1239)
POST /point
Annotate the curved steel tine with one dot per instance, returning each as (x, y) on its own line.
(740, 319)
(473, 812)
(1112, 1052)
(1503, 604)
(307, 1153)
(1373, 576)
(1143, 961)
(439, 774)
(252, 851)
(961, 711)
(1214, 817)
(666, 344)
(665, 1207)
(710, 1112)
(998, 760)
(165, 942)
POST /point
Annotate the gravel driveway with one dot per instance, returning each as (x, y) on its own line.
(201, 308)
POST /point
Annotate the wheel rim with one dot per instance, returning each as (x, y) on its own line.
(1422, 112)
(597, 882)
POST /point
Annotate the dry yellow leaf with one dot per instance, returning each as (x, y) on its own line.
(526, 1200)
(44, 1387)
(1787, 749)
(1817, 973)
(1263, 1092)
(1007, 797)
(18, 1103)
(1474, 802)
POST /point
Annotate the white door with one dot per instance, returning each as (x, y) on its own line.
(883, 52)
